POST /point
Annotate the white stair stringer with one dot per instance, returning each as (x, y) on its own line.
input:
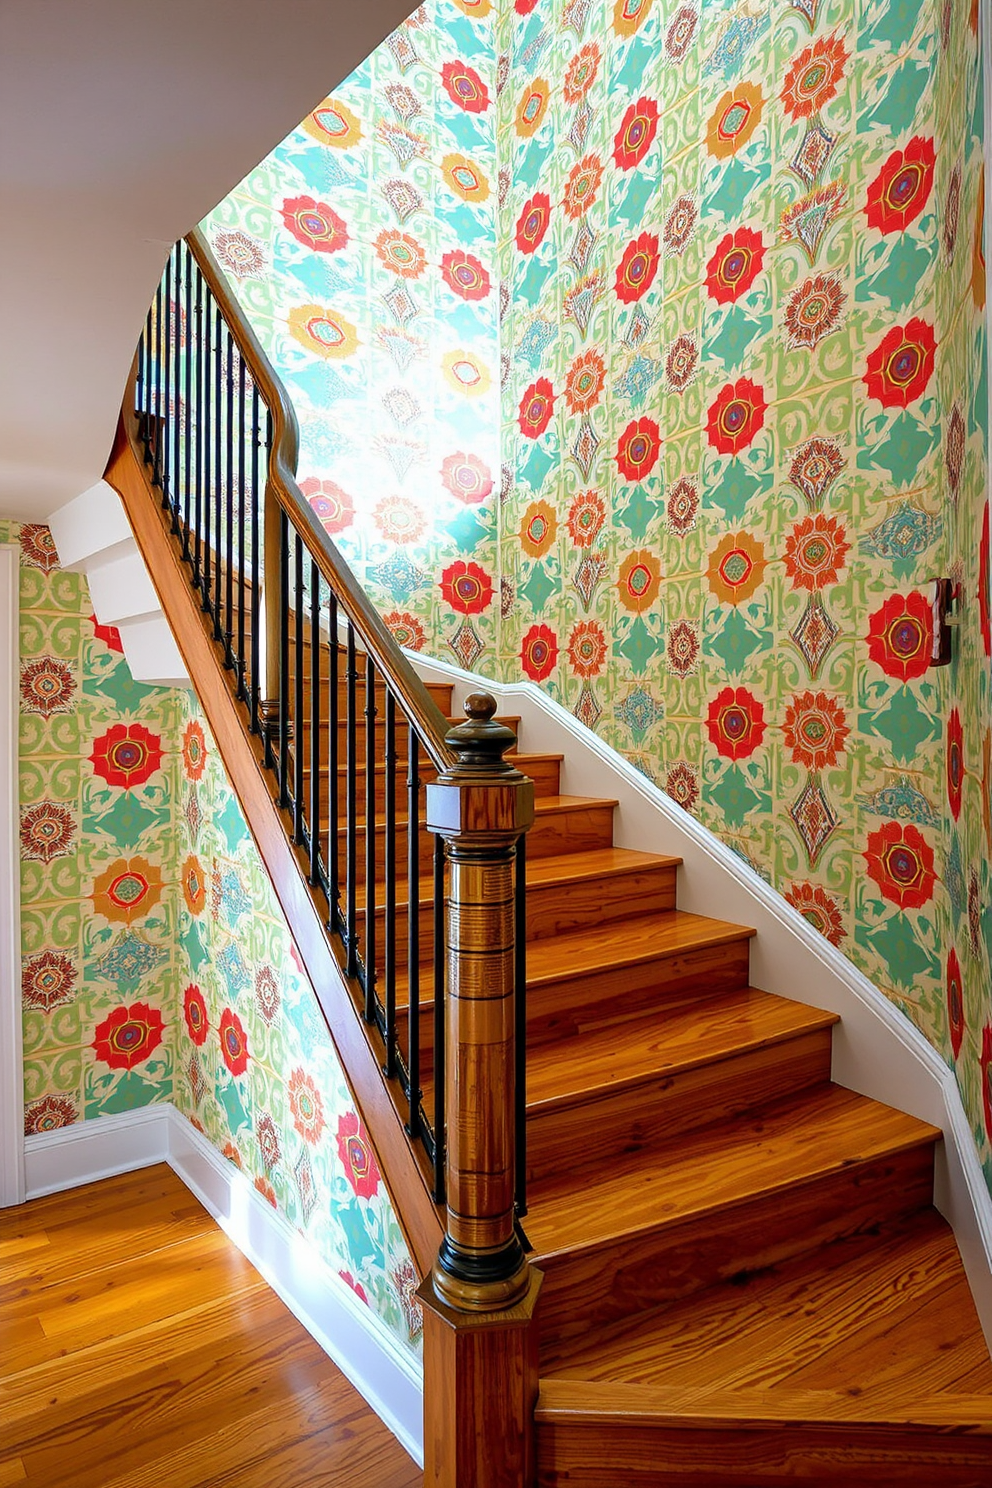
(93, 537)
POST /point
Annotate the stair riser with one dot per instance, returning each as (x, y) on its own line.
(618, 1453)
(577, 1004)
(625, 1274)
(650, 1115)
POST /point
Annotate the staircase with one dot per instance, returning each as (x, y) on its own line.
(744, 1280)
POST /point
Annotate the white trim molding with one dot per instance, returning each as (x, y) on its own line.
(876, 1050)
(388, 1377)
(11, 1047)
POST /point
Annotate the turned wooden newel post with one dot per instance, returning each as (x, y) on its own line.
(479, 1303)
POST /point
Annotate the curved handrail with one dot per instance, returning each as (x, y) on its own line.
(420, 707)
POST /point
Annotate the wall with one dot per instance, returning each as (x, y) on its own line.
(156, 963)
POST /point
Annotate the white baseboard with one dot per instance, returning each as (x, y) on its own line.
(876, 1050)
(347, 1330)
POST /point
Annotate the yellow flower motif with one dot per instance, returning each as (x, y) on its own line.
(128, 889)
(629, 14)
(474, 8)
(466, 373)
(734, 120)
(532, 107)
(736, 567)
(333, 124)
(538, 529)
(639, 581)
(323, 331)
(465, 178)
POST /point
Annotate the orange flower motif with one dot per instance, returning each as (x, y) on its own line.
(194, 885)
(639, 581)
(582, 186)
(129, 888)
(734, 120)
(532, 108)
(815, 551)
(538, 529)
(587, 649)
(400, 253)
(580, 74)
(814, 729)
(816, 906)
(306, 1107)
(584, 382)
(814, 77)
(586, 516)
(194, 750)
(736, 567)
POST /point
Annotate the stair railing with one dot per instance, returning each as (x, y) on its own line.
(349, 734)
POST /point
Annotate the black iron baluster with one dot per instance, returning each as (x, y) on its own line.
(242, 519)
(256, 572)
(190, 420)
(299, 656)
(315, 773)
(520, 1016)
(228, 625)
(282, 600)
(165, 383)
(334, 755)
(175, 419)
(207, 396)
(389, 924)
(144, 389)
(198, 420)
(414, 1126)
(351, 811)
(218, 473)
(439, 1029)
(370, 840)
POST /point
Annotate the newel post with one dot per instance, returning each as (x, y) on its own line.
(480, 1340)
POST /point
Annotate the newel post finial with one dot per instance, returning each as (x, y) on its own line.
(480, 805)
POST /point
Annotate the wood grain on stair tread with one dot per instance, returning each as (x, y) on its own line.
(799, 1320)
(604, 947)
(791, 1142)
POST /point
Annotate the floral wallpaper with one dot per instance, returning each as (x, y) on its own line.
(728, 427)
(156, 963)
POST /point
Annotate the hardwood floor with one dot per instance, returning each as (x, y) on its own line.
(139, 1349)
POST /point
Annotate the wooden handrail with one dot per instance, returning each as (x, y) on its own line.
(282, 487)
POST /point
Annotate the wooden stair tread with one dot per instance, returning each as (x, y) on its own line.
(866, 1315)
(718, 1167)
(670, 1040)
(605, 946)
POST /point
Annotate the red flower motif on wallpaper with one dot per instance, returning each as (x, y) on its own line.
(233, 1042)
(587, 649)
(580, 74)
(314, 224)
(355, 1286)
(532, 223)
(405, 629)
(586, 516)
(582, 186)
(536, 407)
(49, 1114)
(815, 552)
(734, 266)
(816, 906)
(955, 762)
(815, 729)
(195, 1014)
(637, 268)
(635, 136)
(735, 722)
(901, 863)
(47, 831)
(333, 507)
(264, 1187)
(638, 449)
(465, 87)
(126, 755)
(465, 275)
(468, 478)
(306, 1107)
(194, 750)
(900, 367)
(47, 686)
(47, 980)
(955, 1002)
(900, 636)
(902, 187)
(584, 382)
(466, 587)
(539, 652)
(814, 77)
(109, 635)
(128, 1036)
(736, 416)
(357, 1157)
